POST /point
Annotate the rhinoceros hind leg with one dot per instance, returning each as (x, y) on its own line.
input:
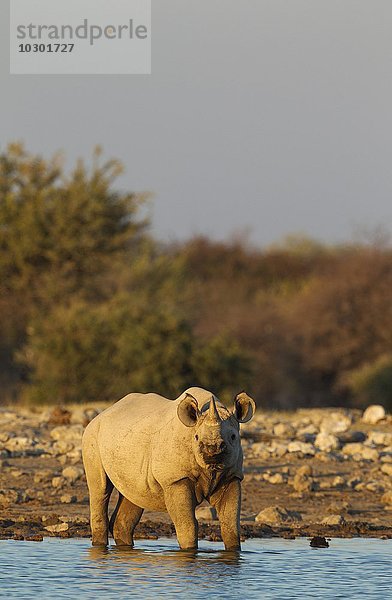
(100, 488)
(123, 521)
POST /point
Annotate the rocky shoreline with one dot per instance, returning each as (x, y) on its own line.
(313, 472)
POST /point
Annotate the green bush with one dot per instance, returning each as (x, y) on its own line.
(84, 352)
(372, 382)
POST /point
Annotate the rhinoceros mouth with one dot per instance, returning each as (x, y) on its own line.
(214, 461)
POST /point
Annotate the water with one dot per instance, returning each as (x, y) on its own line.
(267, 568)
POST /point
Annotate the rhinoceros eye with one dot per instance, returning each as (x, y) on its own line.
(233, 436)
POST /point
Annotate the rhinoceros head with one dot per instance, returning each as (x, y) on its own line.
(216, 439)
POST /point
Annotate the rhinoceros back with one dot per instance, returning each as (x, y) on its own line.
(131, 435)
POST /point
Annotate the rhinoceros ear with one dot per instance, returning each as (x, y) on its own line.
(188, 411)
(244, 407)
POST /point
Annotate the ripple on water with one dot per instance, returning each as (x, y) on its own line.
(268, 568)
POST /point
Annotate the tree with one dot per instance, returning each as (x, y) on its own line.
(61, 236)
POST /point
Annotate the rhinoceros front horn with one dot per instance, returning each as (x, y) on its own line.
(188, 411)
(213, 417)
(244, 407)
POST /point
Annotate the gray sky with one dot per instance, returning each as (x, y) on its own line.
(272, 115)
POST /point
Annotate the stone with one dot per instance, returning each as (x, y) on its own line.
(350, 437)
(206, 513)
(276, 515)
(62, 447)
(68, 499)
(303, 447)
(9, 497)
(387, 469)
(375, 486)
(335, 423)
(4, 437)
(338, 482)
(44, 475)
(305, 471)
(72, 473)
(50, 519)
(333, 520)
(58, 482)
(260, 450)
(284, 430)
(387, 498)
(18, 444)
(352, 482)
(75, 456)
(277, 449)
(353, 448)
(69, 433)
(89, 415)
(373, 414)
(337, 508)
(59, 416)
(379, 438)
(274, 478)
(370, 454)
(327, 442)
(58, 528)
(361, 452)
(303, 481)
(308, 432)
(16, 473)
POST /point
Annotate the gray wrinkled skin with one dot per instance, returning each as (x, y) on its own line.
(169, 455)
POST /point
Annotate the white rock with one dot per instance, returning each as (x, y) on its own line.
(379, 438)
(57, 528)
(58, 482)
(303, 447)
(72, 474)
(277, 449)
(307, 431)
(353, 448)
(336, 423)
(276, 515)
(373, 414)
(68, 499)
(274, 478)
(326, 442)
(69, 433)
(285, 430)
(387, 469)
(18, 444)
(387, 498)
(334, 520)
(62, 447)
(360, 452)
(206, 513)
(370, 454)
(338, 482)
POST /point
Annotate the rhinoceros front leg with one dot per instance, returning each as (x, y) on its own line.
(227, 501)
(181, 503)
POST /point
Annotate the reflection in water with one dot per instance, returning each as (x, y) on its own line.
(268, 569)
(205, 567)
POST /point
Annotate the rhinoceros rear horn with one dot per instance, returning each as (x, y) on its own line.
(188, 411)
(244, 407)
